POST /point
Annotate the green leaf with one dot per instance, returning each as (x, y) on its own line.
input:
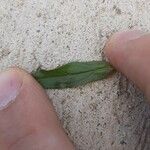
(73, 74)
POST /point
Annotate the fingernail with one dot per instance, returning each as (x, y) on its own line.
(126, 36)
(119, 41)
(10, 84)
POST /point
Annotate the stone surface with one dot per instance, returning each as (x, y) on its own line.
(105, 115)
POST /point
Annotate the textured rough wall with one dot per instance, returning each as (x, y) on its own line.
(104, 115)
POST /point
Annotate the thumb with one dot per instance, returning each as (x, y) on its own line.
(27, 118)
(129, 52)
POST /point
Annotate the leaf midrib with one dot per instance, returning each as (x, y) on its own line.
(67, 74)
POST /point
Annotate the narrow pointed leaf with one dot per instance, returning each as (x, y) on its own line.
(73, 74)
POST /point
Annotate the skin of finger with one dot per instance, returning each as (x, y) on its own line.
(2, 145)
(30, 115)
(132, 59)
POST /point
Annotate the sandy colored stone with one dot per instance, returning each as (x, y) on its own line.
(105, 115)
